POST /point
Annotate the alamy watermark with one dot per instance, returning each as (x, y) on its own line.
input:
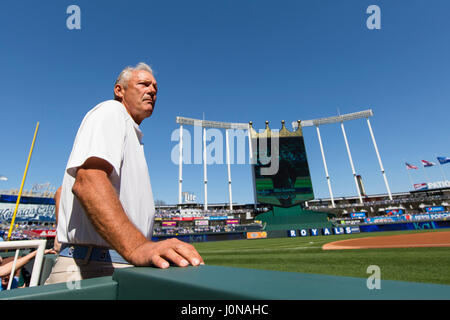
(192, 149)
(373, 22)
(73, 282)
(73, 22)
(374, 280)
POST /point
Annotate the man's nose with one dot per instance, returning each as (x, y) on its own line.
(151, 91)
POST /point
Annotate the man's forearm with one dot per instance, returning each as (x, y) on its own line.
(103, 208)
(5, 269)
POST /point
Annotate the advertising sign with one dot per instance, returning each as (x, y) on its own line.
(217, 218)
(357, 215)
(435, 209)
(42, 233)
(420, 186)
(201, 222)
(394, 212)
(232, 221)
(169, 224)
(257, 235)
(27, 212)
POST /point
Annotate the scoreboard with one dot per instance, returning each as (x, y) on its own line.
(290, 183)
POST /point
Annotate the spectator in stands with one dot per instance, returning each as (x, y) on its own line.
(106, 210)
(6, 268)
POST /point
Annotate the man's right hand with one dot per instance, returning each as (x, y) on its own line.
(161, 254)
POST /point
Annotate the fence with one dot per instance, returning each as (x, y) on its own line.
(25, 244)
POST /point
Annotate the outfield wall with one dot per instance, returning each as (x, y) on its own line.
(303, 231)
(282, 219)
(422, 225)
(203, 237)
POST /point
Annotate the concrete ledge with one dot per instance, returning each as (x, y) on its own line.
(226, 283)
(103, 288)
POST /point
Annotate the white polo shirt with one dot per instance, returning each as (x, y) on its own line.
(107, 132)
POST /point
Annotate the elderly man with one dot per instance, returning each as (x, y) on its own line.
(106, 208)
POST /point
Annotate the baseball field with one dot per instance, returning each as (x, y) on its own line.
(415, 256)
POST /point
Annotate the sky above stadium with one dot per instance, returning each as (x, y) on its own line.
(232, 61)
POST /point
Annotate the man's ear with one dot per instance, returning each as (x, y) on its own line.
(118, 92)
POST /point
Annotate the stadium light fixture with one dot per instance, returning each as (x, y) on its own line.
(211, 124)
(208, 124)
(341, 119)
(336, 119)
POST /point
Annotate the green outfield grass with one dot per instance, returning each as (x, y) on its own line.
(304, 254)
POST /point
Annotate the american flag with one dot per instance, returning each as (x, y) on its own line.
(410, 166)
(427, 163)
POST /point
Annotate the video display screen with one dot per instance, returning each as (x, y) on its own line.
(291, 183)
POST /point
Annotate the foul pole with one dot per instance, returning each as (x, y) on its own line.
(204, 170)
(23, 182)
(229, 169)
(180, 167)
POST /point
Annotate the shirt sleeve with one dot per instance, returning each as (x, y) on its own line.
(100, 135)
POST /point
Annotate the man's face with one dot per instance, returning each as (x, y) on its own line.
(139, 97)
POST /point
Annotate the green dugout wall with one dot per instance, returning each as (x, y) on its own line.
(225, 283)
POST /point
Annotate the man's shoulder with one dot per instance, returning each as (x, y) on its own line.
(106, 111)
(107, 107)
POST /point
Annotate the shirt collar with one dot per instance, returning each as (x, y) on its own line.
(138, 131)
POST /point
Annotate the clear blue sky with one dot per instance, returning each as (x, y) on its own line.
(234, 61)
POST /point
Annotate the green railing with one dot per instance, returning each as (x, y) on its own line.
(226, 283)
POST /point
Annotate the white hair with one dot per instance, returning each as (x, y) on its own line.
(125, 75)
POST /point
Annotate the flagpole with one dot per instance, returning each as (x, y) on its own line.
(425, 172)
(409, 176)
(410, 180)
(23, 181)
(442, 171)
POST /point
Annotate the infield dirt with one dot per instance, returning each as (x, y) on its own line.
(416, 240)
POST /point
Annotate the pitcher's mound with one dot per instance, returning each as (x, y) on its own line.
(426, 239)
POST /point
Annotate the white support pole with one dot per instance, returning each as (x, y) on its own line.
(351, 162)
(325, 166)
(229, 169)
(379, 159)
(204, 170)
(252, 161)
(180, 167)
(13, 270)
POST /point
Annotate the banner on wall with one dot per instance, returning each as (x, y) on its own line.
(27, 212)
(257, 235)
